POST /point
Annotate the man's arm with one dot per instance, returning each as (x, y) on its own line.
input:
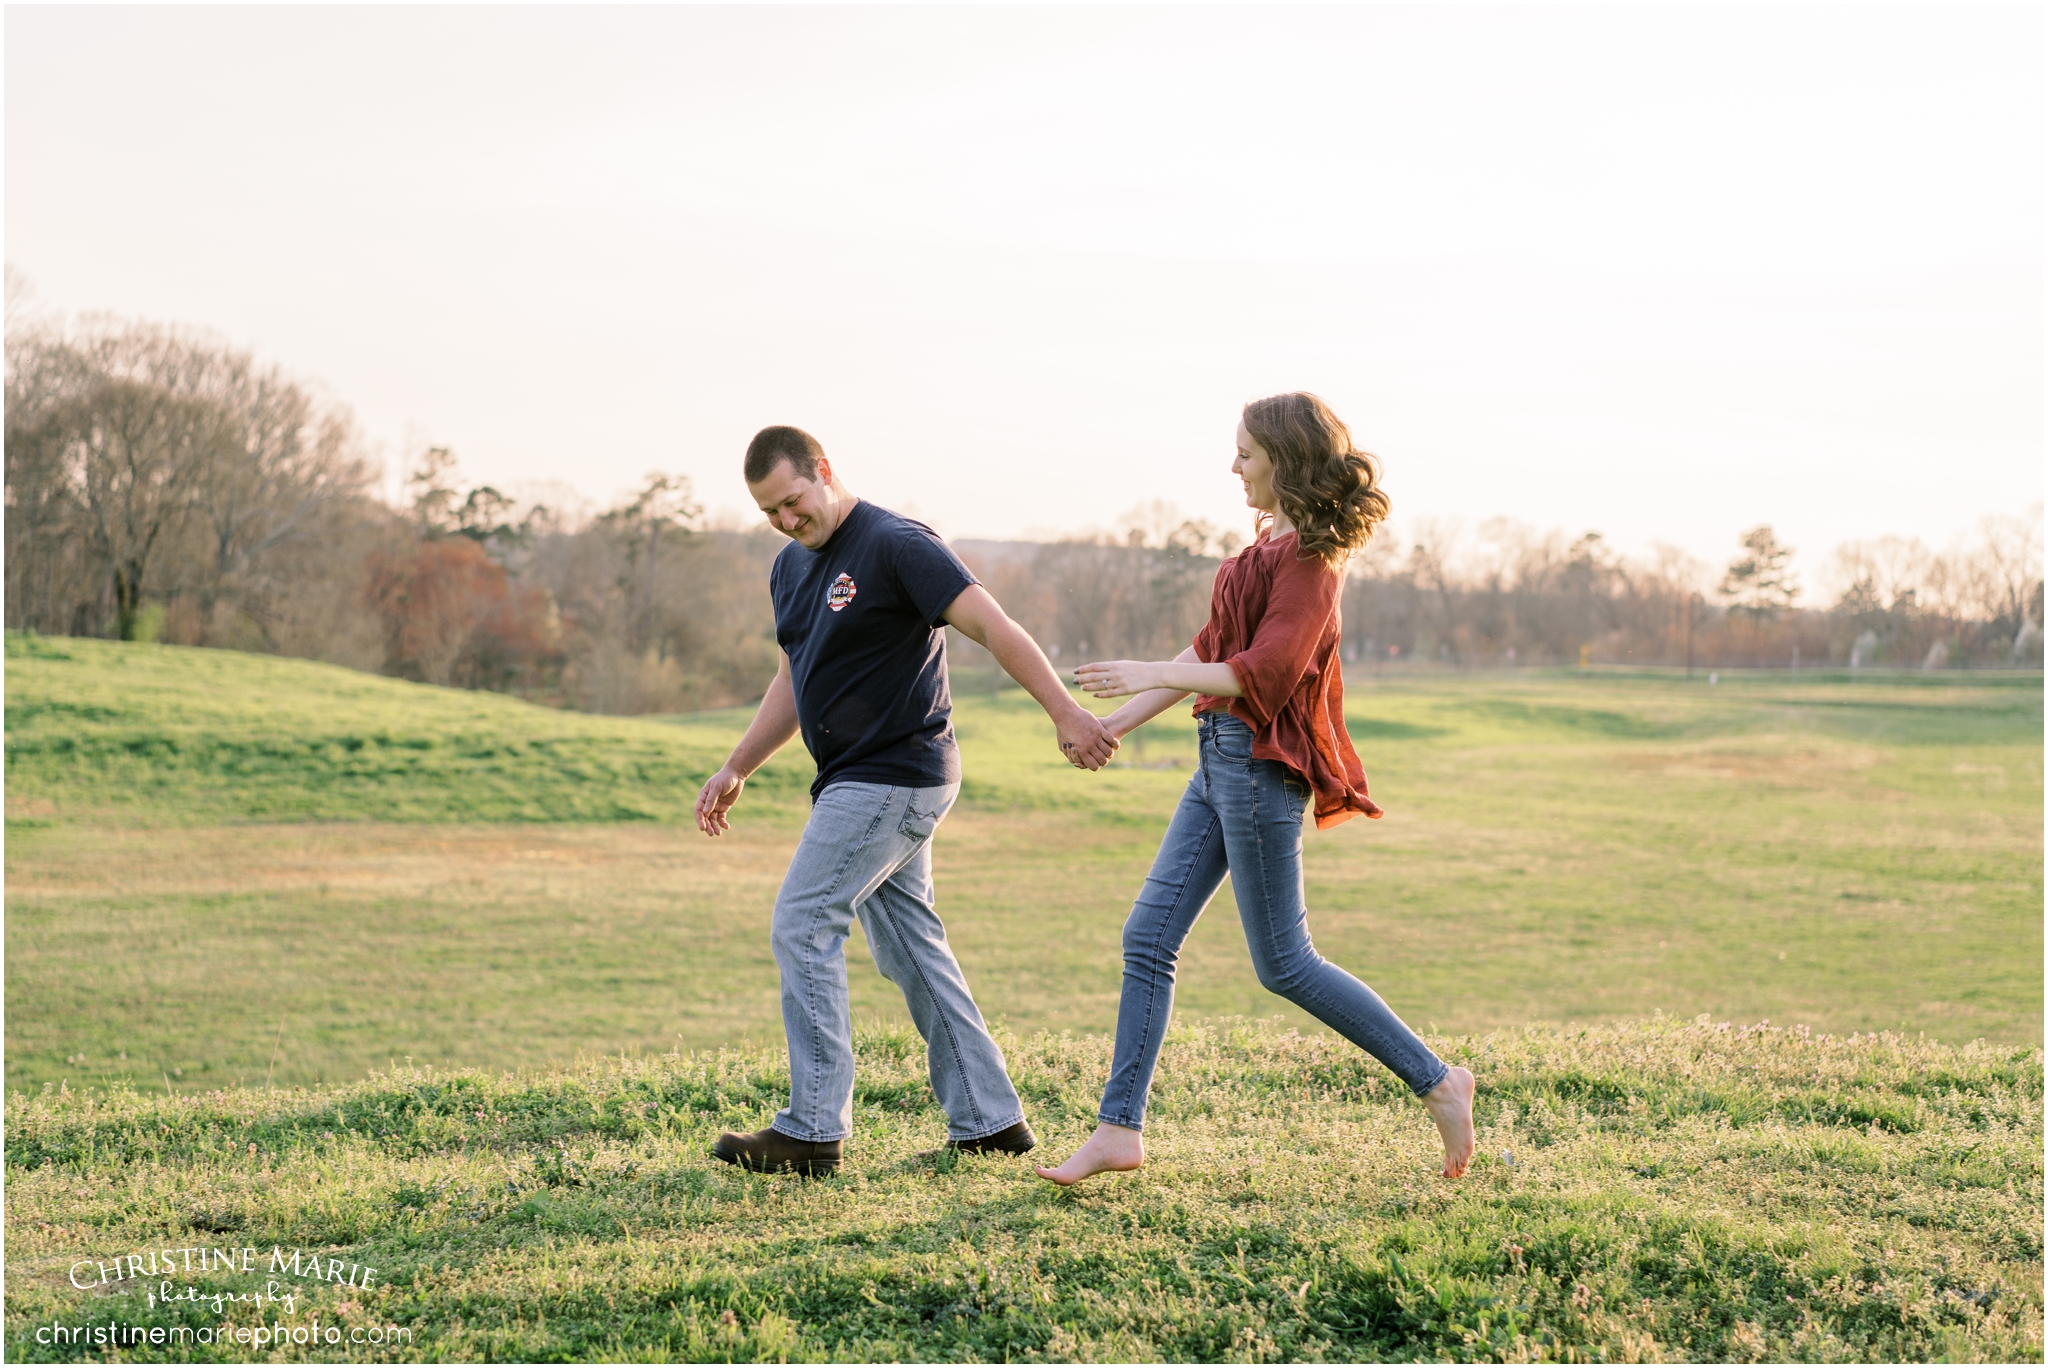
(1083, 739)
(774, 723)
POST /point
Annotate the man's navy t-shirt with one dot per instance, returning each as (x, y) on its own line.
(862, 621)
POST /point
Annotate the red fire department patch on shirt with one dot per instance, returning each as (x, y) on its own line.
(841, 593)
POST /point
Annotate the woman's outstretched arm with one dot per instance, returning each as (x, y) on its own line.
(1186, 673)
(1156, 684)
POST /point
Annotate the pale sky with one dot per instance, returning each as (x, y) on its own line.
(1665, 273)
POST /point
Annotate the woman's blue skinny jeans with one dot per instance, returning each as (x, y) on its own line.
(1240, 817)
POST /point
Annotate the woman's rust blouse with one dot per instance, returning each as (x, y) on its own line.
(1273, 618)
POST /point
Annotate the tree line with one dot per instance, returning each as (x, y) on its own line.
(1507, 595)
(162, 485)
(1512, 595)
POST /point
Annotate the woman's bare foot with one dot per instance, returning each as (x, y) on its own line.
(1113, 1149)
(1450, 1105)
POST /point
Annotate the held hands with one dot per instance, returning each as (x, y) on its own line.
(1085, 741)
(716, 798)
(1117, 678)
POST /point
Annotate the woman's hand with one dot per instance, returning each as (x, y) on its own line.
(1118, 678)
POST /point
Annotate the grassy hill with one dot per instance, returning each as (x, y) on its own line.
(179, 735)
(1646, 1192)
(175, 735)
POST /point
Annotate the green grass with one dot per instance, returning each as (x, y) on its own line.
(227, 870)
(1556, 849)
(171, 735)
(1650, 1191)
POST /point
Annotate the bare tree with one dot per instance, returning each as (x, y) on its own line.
(2003, 577)
(24, 309)
(660, 514)
(52, 585)
(126, 433)
(1430, 557)
(283, 464)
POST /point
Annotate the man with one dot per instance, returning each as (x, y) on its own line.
(862, 597)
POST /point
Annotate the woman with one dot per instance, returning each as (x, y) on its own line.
(1270, 713)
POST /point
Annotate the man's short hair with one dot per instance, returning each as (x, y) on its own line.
(775, 444)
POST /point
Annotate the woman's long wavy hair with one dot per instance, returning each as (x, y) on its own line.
(1329, 489)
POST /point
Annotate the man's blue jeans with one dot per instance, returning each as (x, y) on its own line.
(1240, 817)
(867, 852)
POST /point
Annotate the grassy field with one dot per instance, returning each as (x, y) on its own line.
(186, 906)
(1654, 1191)
(226, 872)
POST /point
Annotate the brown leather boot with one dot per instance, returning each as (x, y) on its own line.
(770, 1151)
(1010, 1140)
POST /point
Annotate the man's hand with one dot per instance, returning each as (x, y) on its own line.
(774, 723)
(1085, 741)
(716, 798)
(1082, 738)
